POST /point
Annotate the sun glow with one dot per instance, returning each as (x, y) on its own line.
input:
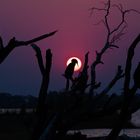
(77, 66)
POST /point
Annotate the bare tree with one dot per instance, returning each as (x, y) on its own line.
(82, 110)
(41, 106)
(13, 43)
(113, 35)
(129, 93)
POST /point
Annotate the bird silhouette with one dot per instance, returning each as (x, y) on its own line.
(80, 83)
(69, 72)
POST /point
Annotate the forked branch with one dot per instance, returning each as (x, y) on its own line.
(113, 35)
(39, 58)
(13, 43)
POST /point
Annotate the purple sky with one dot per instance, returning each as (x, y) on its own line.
(29, 18)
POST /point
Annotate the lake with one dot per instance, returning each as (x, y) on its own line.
(105, 132)
(135, 120)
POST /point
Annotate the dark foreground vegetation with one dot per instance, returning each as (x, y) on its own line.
(21, 125)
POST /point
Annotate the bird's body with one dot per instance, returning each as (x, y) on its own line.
(69, 72)
(70, 69)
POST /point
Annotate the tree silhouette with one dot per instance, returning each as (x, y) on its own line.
(13, 43)
(53, 123)
(45, 71)
(129, 93)
(41, 106)
(82, 108)
(113, 35)
(69, 72)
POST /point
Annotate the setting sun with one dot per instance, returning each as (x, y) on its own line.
(77, 66)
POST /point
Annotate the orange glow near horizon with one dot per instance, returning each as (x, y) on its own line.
(77, 66)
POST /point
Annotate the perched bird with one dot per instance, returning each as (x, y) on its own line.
(137, 76)
(70, 69)
(69, 72)
(80, 83)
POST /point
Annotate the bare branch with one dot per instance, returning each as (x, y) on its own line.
(117, 37)
(21, 43)
(13, 43)
(128, 93)
(129, 64)
(117, 77)
(112, 36)
(102, 21)
(1, 43)
(132, 10)
(106, 9)
(119, 7)
(48, 61)
(42, 109)
(123, 12)
(39, 58)
(4, 52)
(106, 19)
(97, 9)
(105, 4)
(113, 46)
(117, 28)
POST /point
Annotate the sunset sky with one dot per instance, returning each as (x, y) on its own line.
(77, 34)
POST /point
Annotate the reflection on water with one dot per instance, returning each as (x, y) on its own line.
(105, 132)
(135, 120)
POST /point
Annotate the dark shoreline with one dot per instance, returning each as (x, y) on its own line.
(16, 126)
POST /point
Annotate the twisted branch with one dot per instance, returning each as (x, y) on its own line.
(13, 43)
(112, 37)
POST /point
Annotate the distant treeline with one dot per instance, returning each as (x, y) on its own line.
(54, 100)
(8, 100)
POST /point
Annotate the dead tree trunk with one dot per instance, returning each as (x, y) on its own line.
(41, 106)
(128, 93)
